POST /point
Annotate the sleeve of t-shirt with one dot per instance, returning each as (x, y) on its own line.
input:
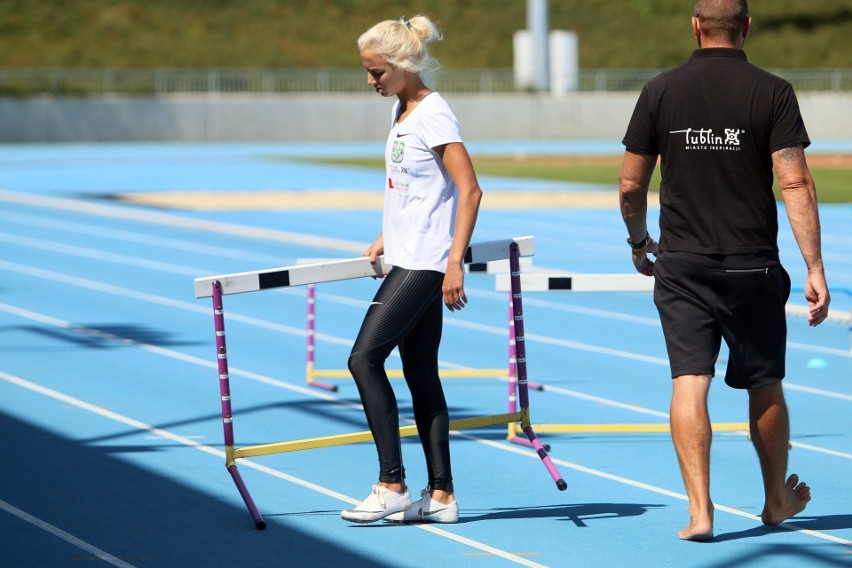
(641, 137)
(788, 128)
(440, 127)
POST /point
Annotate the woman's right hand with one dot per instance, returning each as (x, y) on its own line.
(375, 249)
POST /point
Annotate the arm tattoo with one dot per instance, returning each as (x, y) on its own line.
(791, 154)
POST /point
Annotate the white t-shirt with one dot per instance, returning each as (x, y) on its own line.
(420, 196)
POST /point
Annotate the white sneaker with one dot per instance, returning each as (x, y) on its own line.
(378, 505)
(426, 510)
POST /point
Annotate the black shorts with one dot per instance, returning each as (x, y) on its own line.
(704, 298)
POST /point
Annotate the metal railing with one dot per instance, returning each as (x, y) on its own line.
(83, 82)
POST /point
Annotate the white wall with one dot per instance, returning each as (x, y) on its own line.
(345, 117)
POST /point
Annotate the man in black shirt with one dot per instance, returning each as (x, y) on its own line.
(720, 125)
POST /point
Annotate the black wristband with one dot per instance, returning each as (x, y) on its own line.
(642, 245)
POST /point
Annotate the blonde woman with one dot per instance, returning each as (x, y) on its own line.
(431, 203)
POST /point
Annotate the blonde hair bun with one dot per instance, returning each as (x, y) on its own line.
(403, 43)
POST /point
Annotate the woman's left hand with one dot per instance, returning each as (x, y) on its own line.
(453, 288)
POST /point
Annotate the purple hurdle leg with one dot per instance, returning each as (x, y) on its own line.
(227, 419)
(513, 361)
(513, 374)
(513, 365)
(311, 325)
(521, 356)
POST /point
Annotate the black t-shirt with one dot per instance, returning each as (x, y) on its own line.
(715, 121)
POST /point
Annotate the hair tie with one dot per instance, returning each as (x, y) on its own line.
(408, 24)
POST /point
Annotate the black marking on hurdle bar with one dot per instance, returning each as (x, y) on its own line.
(278, 279)
(477, 266)
(468, 255)
(559, 283)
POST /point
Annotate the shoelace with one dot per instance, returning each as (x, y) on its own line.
(379, 496)
(423, 495)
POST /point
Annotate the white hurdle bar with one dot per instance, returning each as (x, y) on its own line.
(345, 269)
(217, 286)
(579, 282)
(591, 282)
(312, 373)
(574, 282)
(499, 266)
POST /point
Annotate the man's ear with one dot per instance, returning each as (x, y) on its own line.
(696, 30)
(746, 28)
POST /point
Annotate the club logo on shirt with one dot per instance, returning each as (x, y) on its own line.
(706, 139)
(397, 151)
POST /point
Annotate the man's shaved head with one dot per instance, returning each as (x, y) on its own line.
(722, 19)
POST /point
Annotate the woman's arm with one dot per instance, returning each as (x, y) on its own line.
(459, 166)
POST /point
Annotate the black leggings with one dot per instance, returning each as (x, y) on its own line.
(407, 312)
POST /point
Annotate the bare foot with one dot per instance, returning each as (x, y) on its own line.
(795, 499)
(700, 528)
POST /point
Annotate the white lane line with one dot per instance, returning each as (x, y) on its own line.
(35, 316)
(61, 534)
(246, 462)
(185, 270)
(820, 349)
(331, 493)
(495, 330)
(62, 324)
(149, 240)
(607, 402)
(145, 216)
(819, 392)
(327, 396)
(561, 307)
(274, 235)
(821, 450)
(96, 254)
(640, 485)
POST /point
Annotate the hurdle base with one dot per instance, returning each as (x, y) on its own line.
(259, 522)
(323, 386)
(398, 374)
(364, 436)
(525, 442)
(545, 458)
(514, 429)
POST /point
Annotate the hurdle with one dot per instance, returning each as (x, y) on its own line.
(312, 373)
(583, 282)
(216, 287)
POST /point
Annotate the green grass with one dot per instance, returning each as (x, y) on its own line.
(833, 183)
(322, 33)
